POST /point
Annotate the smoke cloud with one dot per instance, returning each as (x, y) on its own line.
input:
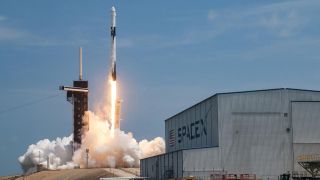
(120, 151)
(105, 150)
(58, 153)
(123, 150)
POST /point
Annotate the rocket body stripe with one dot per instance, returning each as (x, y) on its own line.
(113, 44)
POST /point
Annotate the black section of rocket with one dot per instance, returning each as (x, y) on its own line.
(114, 72)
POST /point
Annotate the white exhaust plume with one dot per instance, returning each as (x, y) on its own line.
(105, 150)
(56, 154)
(108, 146)
(122, 150)
(152, 148)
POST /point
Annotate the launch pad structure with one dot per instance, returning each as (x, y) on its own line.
(78, 97)
(78, 94)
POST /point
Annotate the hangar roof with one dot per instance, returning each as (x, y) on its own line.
(236, 92)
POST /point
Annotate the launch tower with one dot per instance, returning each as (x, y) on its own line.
(78, 97)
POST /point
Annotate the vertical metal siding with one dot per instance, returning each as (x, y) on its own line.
(253, 133)
(195, 127)
(167, 135)
(209, 141)
(197, 117)
(306, 134)
(306, 122)
(258, 132)
(201, 162)
(180, 164)
(215, 121)
(202, 116)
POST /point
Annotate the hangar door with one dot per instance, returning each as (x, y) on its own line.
(306, 129)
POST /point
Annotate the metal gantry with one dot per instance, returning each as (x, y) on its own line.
(310, 163)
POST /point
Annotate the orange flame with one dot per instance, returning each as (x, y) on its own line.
(113, 105)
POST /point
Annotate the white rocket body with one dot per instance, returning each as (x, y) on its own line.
(113, 57)
(113, 44)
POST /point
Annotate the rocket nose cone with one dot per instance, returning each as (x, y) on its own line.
(113, 8)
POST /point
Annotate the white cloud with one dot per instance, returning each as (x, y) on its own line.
(8, 33)
(45, 42)
(281, 19)
(212, 15)
(23, 37)
(289, 50)
(285, 19)
(3, 18)
(11, 34)
(283, 24)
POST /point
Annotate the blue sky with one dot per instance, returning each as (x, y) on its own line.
(171, 54)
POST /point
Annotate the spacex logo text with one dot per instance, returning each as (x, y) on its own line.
(192, 131)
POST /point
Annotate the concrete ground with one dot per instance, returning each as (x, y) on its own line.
(78, 174)
(122, 172)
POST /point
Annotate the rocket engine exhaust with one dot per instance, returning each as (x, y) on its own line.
(115, 119)
(101, 145)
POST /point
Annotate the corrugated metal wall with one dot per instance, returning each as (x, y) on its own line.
(306, 133)
(163, 166)
(201, 162)
(194, 128)
(254, 137)
(193, 162)
(257, 132)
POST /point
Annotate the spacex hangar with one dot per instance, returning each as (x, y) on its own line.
(260, 134)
